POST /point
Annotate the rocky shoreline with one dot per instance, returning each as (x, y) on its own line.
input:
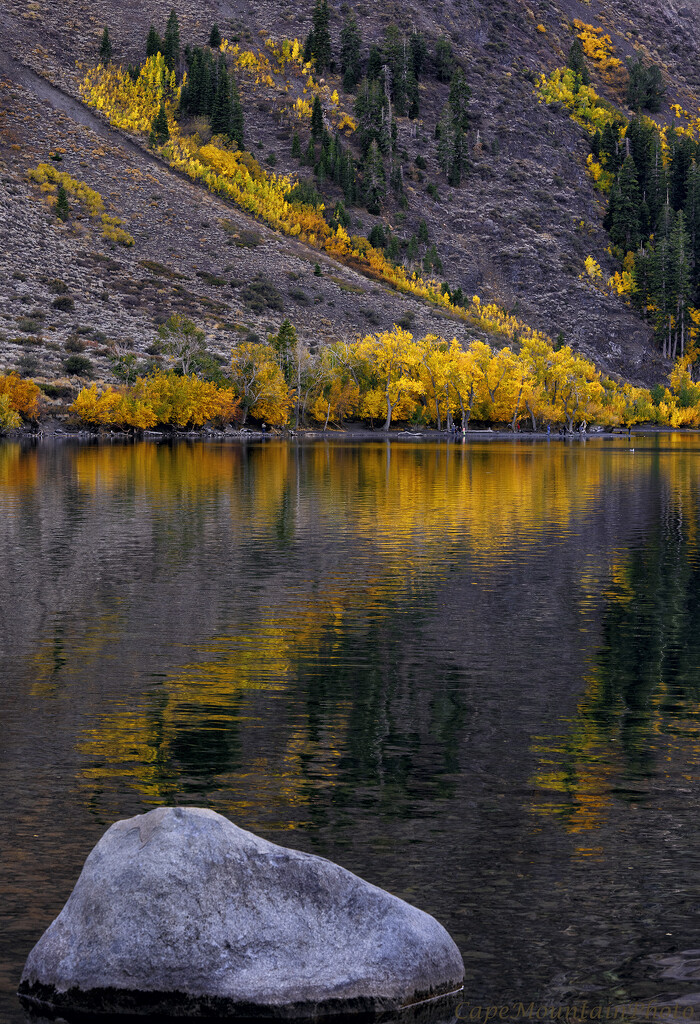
(54, 432)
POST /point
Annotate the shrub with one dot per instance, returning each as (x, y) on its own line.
(64, 303)
(78, 366)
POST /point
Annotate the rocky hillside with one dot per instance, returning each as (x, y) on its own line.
(516, 230)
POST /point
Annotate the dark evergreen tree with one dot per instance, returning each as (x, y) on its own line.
(310, 156)
(451, 128)
(680, 286)
(692, 220)
(412, 249)
(237, 120)
(431, 261)
(682, 153)
(660, 277)
(577, 62)
(171, 42)
(444, 60)
(154, 44)
(641, 133)
(160, 132)
(308, 54)
(625, 228)
(221, 108)
(105, 47)
(377, 236)
(296, 145)
(396, 58)
(348, 180)
(320, 37)
(340, 216)
(645, 87)
(375, 64)
(215, 37)
(419, 53)
(460, 94)
(657, 186)
(373, 115)
(423, 232)
(316, 119)
(610, 148)
(62, 206)
(373, 179)
(350, 46)
(285, 344)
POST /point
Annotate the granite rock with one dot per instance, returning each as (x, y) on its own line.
(178, 911)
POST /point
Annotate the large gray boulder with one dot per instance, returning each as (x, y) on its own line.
(180, 912)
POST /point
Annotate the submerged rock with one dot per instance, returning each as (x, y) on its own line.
(178, 911)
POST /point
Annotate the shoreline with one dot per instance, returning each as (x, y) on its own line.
(52, 433)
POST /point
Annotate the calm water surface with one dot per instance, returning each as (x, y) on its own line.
(468, 673)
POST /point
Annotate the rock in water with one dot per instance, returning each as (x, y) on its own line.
(180, 912)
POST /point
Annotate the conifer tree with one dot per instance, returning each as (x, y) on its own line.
(683, 152)
(444, 59)
(316, 119)
(692, 219)
(419, 53)
(62, 206)
(375, 64)
(680, 285)
(373, 179)
(452, 143)
(154, 44)
(373, 115)
(423, 232)
(624, 229)
(171, 42)
(215, 37)
(285, 343)
(296, 145)
(412, 249)
(577, 62)
(160, 131)
(105, 47)
(221, 109)
(348, 179)
(236, 121)
(396, 57)
(319, 39)
(350, 44)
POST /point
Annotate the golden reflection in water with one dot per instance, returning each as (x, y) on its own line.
(646, 595)
(411, 507)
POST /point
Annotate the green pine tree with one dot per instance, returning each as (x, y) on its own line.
(154, 44)
(160, 132)
(171, 42)
(62, 207)
(444, 60)
(237, 120)
(215, 37)
(296, 145)
(316, 119)
(375, 64)
(105, 47)
(221, 109)
(321, 37)
(350, 46)
(373, 179)
(577, 62)
(625, 227)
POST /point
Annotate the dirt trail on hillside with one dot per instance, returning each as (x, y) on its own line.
(62, 101)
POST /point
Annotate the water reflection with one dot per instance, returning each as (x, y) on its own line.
(469, 673)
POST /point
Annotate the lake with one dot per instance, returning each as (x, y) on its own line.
(468, 672)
